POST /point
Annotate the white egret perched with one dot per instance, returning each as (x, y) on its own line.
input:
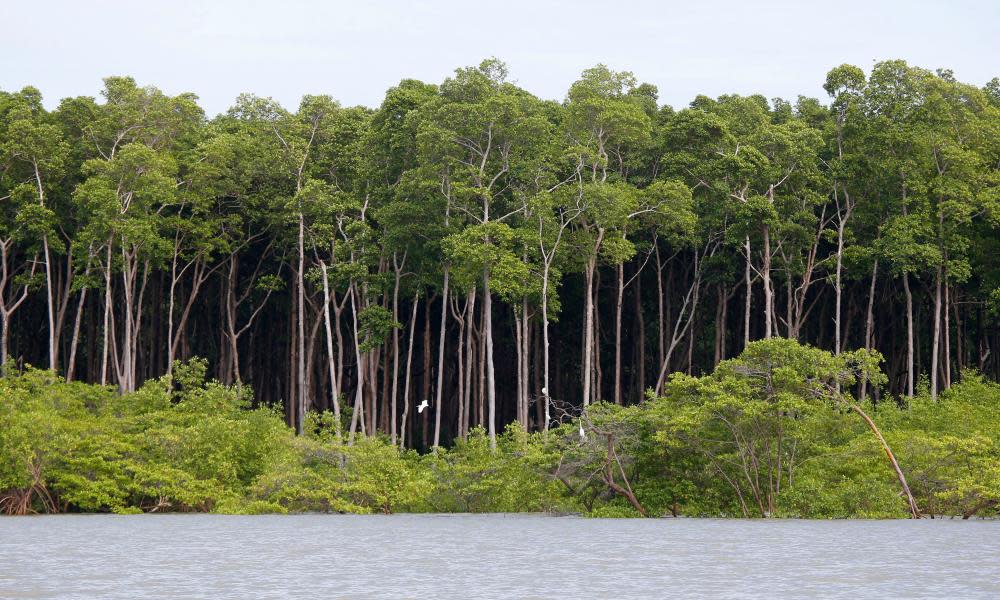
(422, 406)
(545, 391)
(582, 435)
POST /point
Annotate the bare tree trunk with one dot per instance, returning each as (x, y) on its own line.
(914, 511)
(661, 320)
(545, 347)
(4, 337)
(373, 394)
(426, 379)
(588, 321)
(481, 370)
(838, 348)
(936, 342)
(525, 359)
(395, 351)
(77, 321)
(869, 324)
(361, 368)
(768, 292)
(300, 404)
(334, 386)
(598, 389)
(490, 374)
(748, 282)
(409, 370)
(641, 330)
(618, 332)
(684, 321)
(519, 375)
(460, 366)
(442, 336)
(720, 324)
(50, 304)
(910, 374)
(470, 320)
(107, 317)
(960, 345)
(946, 371)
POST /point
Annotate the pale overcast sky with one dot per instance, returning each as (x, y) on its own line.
(356, 50)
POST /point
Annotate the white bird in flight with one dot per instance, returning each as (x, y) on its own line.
(422, 406)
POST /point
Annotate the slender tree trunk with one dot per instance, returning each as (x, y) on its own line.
(395, 353)
(4, 337)
(661, 318)
(519, 359)
(334, 387)
(77, 321)
(546, 381)
(959, 343)
(426, 379)
(460, 368)
(598, 389)
(748, 282)
(912, 504)
(910, 373)
(490, 373)
(470, 320)
(442, 336)
(838, 348)
(719, 324)
(618, 332)
(641, 330)
(300, 405)
(107, 317)
(768, 292)
(50, 305)
(588, 321)
(946, 370)
(481, 369)
(869, 324)
(936, 341)
(359, 358)
(409, 370)
(525, 358)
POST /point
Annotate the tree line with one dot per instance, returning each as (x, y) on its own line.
(497, 255)
(774, 432)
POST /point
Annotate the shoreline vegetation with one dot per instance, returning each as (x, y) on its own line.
(471, 299)
(771, 433)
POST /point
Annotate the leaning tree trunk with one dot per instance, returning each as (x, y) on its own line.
(914, 511)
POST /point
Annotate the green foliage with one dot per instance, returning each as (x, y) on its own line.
(770, 433)
(375, 324)
(470, 477)
(181, 444)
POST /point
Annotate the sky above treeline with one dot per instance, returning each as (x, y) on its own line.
(355, 50)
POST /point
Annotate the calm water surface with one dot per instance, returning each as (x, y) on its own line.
(495, 556)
